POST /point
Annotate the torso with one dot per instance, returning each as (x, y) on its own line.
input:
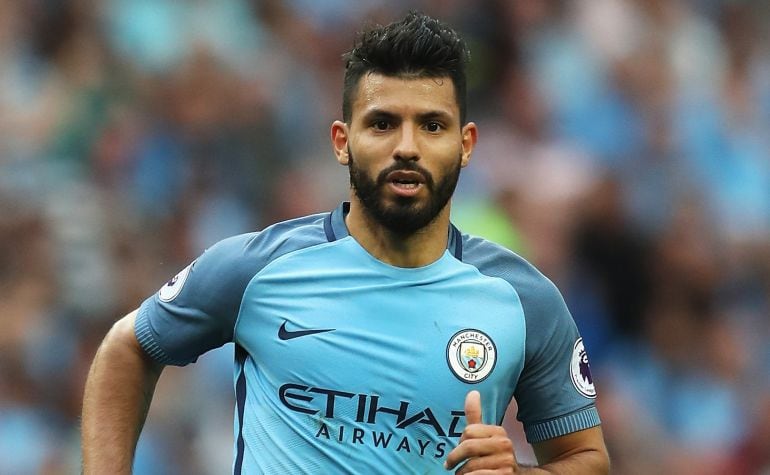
(386, 376)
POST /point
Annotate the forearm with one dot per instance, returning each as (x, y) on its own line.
(117, 396)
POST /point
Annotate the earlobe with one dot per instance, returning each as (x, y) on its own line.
(339, 136)
(470, 136)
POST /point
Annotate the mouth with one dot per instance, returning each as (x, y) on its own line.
(405, 183)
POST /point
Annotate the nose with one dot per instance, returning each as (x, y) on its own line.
(406, 148)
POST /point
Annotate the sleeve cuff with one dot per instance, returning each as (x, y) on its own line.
(583, 419)
(146, 338)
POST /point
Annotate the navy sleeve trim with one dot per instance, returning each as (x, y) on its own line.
(581, 420)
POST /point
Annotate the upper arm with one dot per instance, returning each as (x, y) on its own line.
(123, 329)
(574, 453)
(589, 442)
(122, 337)
(122, 333)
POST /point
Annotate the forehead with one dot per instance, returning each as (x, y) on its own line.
(405, 95)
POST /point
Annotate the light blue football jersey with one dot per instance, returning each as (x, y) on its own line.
(345, 364)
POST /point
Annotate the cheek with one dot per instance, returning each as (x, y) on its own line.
(371, 154)
(447, 156)
(374, 147)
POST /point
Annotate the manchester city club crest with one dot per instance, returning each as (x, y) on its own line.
(471, 355)
(581, 371)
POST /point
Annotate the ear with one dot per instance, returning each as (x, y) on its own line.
(470, 135)
(339, 136)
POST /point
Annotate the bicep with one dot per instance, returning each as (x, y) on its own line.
(558, 448)
(122, 338)
(123, 331)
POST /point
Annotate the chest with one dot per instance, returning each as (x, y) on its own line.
(345, 337)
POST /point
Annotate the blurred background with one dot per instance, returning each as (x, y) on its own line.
(624, 149)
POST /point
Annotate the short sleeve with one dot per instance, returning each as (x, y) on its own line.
(196, 310)
(555, 392)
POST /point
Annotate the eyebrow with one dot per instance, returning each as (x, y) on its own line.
(421, 117)
(434, 115)
(379, 114)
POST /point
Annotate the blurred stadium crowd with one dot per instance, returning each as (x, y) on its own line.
(624, 149)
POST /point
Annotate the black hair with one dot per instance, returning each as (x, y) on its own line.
(417, 46)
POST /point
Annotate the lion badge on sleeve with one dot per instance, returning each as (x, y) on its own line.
(580, 370)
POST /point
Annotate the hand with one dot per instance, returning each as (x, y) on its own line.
(485, 448)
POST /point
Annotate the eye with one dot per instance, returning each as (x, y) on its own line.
(381, 124)
(433, 126)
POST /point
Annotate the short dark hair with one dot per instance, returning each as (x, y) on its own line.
(417, 46)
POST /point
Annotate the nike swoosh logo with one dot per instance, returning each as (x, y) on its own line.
(285, 334)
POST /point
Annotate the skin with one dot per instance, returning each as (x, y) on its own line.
(393, 120)
(117, 395)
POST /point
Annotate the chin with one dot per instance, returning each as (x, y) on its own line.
(406, 217)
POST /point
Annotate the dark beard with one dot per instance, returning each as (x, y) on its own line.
(407, 215)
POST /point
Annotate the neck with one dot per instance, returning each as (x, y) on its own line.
(417, 249)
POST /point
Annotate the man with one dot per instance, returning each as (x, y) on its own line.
(376, 338)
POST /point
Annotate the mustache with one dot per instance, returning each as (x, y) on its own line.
(408, 166)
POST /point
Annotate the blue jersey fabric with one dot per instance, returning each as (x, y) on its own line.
(345, 364)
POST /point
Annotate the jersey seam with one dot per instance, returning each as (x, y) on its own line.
(523, 352)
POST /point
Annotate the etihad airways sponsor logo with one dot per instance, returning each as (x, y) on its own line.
(370, 409)
(383, 440)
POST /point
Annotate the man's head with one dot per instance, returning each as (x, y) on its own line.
(404, 137)
(417, 46)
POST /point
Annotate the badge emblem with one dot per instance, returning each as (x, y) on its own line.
(581, 371)
(471, 355)
(169, 292)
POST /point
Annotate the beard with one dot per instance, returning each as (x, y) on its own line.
(405, 215)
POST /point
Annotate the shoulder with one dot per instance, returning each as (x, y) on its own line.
(260, 247)
(494, 260)
(232, 262)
